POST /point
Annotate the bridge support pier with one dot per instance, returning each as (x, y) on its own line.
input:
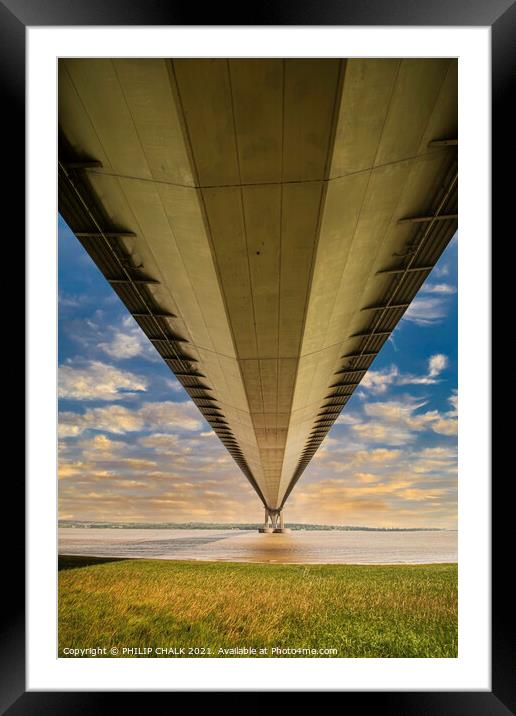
(273, 522)
(267, 525)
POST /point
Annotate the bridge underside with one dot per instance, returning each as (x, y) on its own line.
(257, 218)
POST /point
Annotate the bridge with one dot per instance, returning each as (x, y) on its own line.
(267, 222)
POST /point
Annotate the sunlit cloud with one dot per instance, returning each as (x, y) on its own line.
(117, 419)
(404, 413)
(169, 415)
(378, 455)
(398, 421)
(98, 381)
(378, 382)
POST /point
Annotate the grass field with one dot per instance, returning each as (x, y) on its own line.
(359, 611)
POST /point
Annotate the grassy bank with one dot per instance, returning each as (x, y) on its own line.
(360, 611)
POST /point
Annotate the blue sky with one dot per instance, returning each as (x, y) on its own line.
(134, 448)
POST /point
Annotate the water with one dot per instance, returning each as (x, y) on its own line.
(311, 547)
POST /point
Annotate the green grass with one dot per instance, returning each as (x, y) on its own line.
(359, 610)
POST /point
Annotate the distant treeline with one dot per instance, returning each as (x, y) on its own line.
(233, 526)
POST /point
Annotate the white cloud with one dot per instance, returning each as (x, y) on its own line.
(442, 270)
(68, 300)
(439, 288)
(430, 306)
(454, 400)
(426, 311)
(377, 381)
(436, 364)
(98, 381)
(128, 342)
(174, 385)
(123, 346)
(417, 380)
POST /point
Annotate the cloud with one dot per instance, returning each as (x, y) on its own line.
(378, 381)
(436, 364)
(431, 305)
(365, 477)
(158, 477)
(114, 419)
(426, 311)
(68, 300)
(129, 341)
(393, 343)
(379, 455)
(169, 415)
(118, 419)
(101, 444)
(123, 346)
(122, 341)
(180, 477)
(445, 426)
(98, 381)
(151, 500)
(382, 432)
(160, 441)
(174, 384)
(439, 452)
(443, 270)
(345, 419)
(439, 288)
(376, 500)
(367, 482)
(397, 417)
(417, 380)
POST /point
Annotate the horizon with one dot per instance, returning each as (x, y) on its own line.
(250, 525)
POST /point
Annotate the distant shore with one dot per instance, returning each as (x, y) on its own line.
(238, 526)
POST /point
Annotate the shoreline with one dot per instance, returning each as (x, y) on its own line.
(119, 558)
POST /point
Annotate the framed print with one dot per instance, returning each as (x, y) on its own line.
(262, 323)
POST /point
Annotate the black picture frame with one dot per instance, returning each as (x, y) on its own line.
(500, 15)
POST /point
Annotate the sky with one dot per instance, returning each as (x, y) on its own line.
(134, 448)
